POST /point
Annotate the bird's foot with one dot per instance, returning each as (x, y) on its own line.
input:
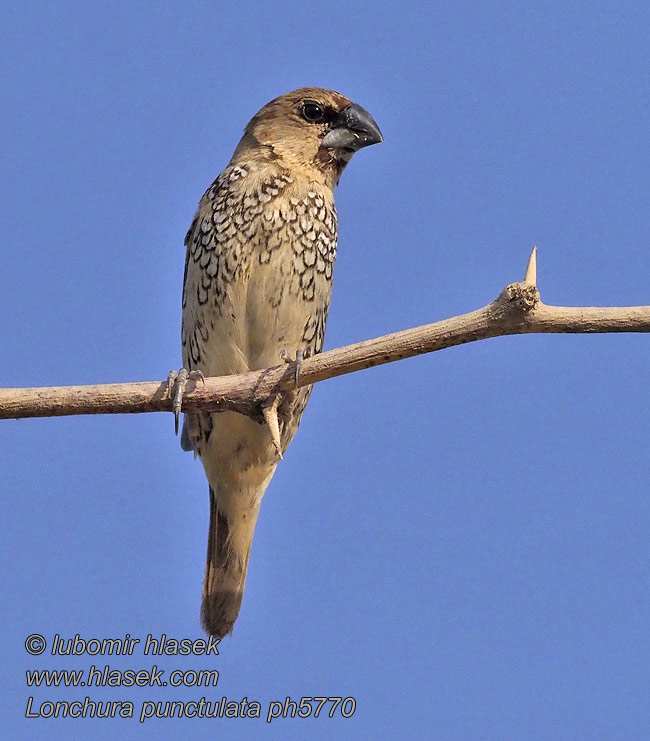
(176, 383)
(300, 356)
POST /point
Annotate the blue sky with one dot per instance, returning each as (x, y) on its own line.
(459, 541)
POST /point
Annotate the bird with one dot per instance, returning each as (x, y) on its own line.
(256, 290)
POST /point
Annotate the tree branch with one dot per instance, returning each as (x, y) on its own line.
(517, 310)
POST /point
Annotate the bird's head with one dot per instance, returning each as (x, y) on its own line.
(309, 130)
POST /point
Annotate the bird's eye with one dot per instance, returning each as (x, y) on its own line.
(313, 112)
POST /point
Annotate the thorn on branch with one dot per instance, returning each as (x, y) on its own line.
(531, 269)
(270, 412)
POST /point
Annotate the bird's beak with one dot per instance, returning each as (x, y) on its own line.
(352, 129)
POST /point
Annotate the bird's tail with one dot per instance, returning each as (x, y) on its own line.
(229, 545)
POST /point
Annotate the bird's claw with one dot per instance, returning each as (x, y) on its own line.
(300, 356)
(176, 383)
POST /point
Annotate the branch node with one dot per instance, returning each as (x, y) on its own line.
(522, 295)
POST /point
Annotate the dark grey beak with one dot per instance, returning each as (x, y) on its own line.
(352, 129)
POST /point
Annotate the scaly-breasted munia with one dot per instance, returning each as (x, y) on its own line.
(258, 277)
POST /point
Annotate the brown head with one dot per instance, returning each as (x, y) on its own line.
(309, 130)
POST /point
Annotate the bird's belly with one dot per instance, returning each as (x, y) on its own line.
(276, 317)
(264, 315)
(266, 312)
